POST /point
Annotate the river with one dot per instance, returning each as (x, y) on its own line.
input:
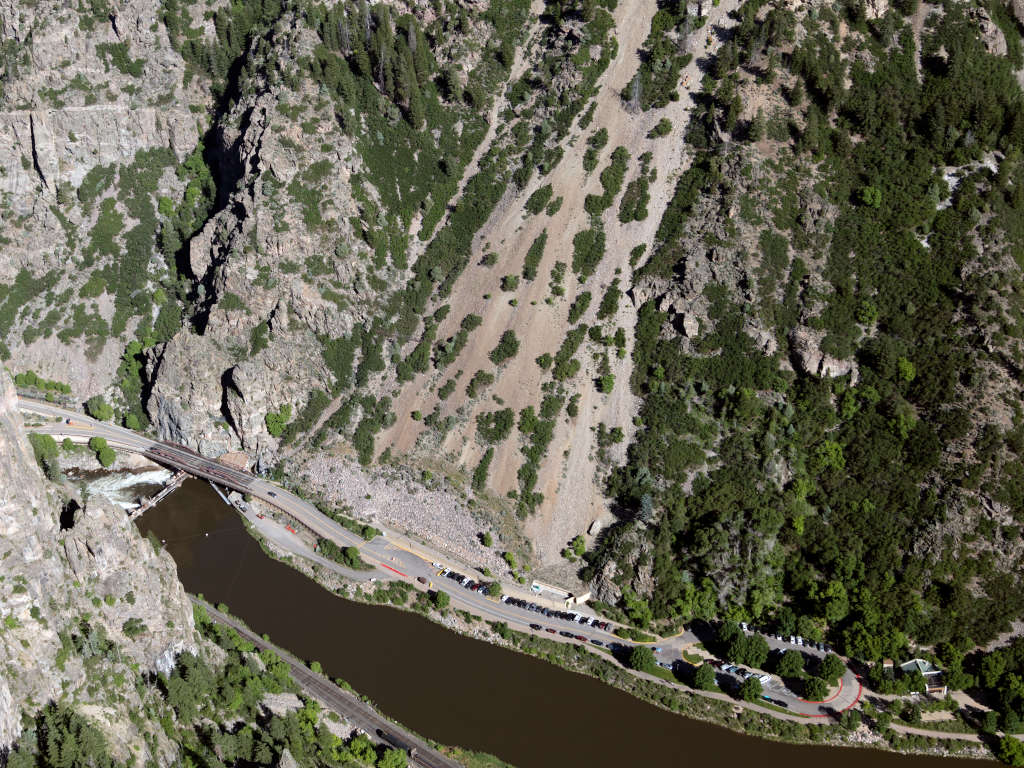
(450, 688)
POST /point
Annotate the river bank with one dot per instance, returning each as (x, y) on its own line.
(448, 686)
(754, 718)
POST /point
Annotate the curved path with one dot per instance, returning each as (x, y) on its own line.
(396, 556)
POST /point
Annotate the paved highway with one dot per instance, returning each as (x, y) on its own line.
(346, 704)
(397, 557)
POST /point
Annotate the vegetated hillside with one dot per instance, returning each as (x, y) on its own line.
(270, 273)
(289, 223)
(829, 340)
(224, 267)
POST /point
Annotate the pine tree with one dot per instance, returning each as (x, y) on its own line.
(417, 112)
(422, 57)
(757, 126)
(635, 92)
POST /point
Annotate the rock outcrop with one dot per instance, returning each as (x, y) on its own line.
(806, 351)
(75, 572)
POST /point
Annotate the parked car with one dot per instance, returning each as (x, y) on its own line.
(581, 637)
(549, 629)
(421, 580)
(597, 642)
(664, 665)
(565, 633)
(743, 626)
(535, 626)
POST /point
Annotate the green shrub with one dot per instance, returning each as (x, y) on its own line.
(588, 250)
(310, 413)
(579, 307)
(662, 128)
(480, 380)
(134, 627)
(117, 54)
(480, 482)
(346, 556)
(106, 456)
(98, 408)
(611, 182)
(565, 365)
(507, 348)
(231, 302)
(635, 200)
(495, 426)
(595, 143)
(655, 82)
(276, 421)
(534, 256)
(610, 301)
(539, 199)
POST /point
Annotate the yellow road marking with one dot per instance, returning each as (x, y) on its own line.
(411, 552)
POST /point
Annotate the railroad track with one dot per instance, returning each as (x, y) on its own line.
(377, 727)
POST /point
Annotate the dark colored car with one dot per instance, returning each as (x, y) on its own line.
(421, 580)
(581, 637)
(549, 629)
(597, 642)
(564, 633)
(535, 626)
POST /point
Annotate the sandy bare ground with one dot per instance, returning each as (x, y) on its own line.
(569, 478)
(416, 245)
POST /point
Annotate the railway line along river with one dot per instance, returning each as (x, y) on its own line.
(451, 688)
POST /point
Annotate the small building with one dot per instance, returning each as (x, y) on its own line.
(935, 683)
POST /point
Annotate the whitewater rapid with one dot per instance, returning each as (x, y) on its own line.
(123, 488)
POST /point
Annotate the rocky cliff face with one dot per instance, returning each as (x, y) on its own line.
(85, 93)
(78, 580)
(273, 274)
